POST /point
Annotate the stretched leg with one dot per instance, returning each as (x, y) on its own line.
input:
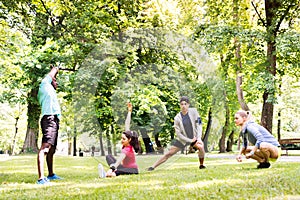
(49, 159)
(110, 159)
(173, 150)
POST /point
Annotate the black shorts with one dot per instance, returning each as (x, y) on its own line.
(178, 144)
(50, 126)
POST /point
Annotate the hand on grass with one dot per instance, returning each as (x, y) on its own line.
(239, 158)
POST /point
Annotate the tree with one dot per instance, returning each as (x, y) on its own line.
(32, 20)
(217, 36)
(276, 13)
(12, 48)
(237, 12)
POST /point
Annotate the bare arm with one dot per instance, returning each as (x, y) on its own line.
(128, 118)
(119, 160)
(53, 72)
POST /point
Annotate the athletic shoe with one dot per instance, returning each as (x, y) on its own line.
(259, 166)
(202, 167)
(43, 181)
(150, 169)
(54, 177)
(266, 165)
(101, 171)
(263, 165)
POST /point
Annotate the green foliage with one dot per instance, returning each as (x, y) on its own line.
(112, 52)
(12, 127)
(288, 53)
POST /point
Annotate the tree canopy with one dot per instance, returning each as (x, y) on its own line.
(224, 55)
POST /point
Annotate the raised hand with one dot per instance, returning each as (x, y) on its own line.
(129, 106)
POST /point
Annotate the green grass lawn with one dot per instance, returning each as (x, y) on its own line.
(178, 178)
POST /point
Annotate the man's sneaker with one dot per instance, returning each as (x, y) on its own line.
(150, 169)
(54, 177)
(202, 167)
(101, 171)
(43, 181)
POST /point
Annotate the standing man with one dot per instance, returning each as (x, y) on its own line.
(188, 128)
(50, 124)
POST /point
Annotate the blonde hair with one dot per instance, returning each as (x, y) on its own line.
(245, 114)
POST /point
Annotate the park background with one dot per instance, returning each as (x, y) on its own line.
(225, 55)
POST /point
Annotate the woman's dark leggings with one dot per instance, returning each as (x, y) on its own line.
(120, 169)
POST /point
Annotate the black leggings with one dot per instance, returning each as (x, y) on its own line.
(120, 169)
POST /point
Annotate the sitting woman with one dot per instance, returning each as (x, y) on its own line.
(265, 147)
(126, 163)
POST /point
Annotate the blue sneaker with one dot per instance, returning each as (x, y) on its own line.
(43, 181)
(54, 177)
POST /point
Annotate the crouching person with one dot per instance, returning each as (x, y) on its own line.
(265, 148)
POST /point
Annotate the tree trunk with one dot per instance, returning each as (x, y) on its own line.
(109, 150)
(222, 148)
(146, 140)
(33, 114)
(222, 140)
(69, 134)
(69, 146)
(267, 113)
(279, 126)
(239, 77)
(101, 144)
(34, 111)
(113, 139)
(30, 143)
(14, 138)
(159, 147)
(230, 142)
(268, 107)
(239, 91)
(273, 21)
(74, 146)
(207, 131)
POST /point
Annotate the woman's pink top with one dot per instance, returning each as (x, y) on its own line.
(129, 160)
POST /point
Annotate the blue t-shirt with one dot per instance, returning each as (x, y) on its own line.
(48, 99)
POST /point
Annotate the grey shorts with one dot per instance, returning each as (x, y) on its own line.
(178, 144)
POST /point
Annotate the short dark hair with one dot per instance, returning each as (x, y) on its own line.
(184, 98)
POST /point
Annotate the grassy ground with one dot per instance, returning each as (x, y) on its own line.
(178, 178)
